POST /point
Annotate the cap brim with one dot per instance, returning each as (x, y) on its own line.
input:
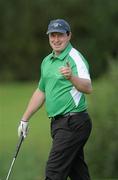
(56, 30)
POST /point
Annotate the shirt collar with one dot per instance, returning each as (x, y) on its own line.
(63, 53)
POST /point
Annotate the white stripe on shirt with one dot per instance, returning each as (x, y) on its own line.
(81, 67)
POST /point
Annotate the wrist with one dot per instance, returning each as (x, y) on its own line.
(24, 121)
(70, 77)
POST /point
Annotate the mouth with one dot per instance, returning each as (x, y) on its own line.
(57, 45)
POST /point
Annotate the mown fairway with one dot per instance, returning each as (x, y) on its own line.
(30, 163)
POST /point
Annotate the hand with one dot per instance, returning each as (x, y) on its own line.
(23, 128)
(66, 71)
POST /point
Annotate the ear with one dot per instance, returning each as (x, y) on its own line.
(70, 34)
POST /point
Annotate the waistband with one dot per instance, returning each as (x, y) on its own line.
(68, 115)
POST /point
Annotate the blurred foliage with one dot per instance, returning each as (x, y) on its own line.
(103, 147)
(23, 42)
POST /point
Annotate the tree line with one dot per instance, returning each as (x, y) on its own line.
(24, 43)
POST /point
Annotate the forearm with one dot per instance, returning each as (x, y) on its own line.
(35, 103)
(82, 85)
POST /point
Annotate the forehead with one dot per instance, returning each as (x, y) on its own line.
(57, 34)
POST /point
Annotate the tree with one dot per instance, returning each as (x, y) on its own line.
(24, 42)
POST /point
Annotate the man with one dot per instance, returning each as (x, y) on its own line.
(64, 80)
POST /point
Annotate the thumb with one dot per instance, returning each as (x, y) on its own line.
(67, 63)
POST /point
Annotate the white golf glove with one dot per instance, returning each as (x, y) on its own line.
(23, 128)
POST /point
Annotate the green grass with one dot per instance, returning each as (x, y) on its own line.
(30, 163)
(32, 157)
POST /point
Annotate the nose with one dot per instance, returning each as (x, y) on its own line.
(56, 38)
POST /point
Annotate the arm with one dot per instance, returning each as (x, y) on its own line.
(81, 84)
(35, 103)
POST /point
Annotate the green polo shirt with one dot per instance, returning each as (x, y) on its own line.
(61, 95)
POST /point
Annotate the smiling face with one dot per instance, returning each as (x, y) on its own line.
(58, 41)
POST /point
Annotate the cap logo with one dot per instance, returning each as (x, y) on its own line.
(56, 25)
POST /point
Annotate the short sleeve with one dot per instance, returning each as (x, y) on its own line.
(80, 67)
(41, 85)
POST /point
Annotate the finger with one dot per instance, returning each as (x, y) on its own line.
(67, 63)
(24, 134)
(19, 132)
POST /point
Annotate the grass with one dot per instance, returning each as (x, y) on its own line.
(32, 157)
(30, 164)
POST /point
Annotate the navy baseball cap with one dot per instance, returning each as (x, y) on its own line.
(58, 25)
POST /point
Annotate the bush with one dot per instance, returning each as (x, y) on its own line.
(103, 106)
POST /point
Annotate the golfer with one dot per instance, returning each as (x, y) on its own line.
(64, 81)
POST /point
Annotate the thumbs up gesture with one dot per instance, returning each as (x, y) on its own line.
(66, 71)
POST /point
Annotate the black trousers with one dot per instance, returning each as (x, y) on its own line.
(66, 158)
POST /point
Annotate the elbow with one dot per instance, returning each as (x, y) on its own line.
(89, 90)
(86, 90)
(88, 87)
